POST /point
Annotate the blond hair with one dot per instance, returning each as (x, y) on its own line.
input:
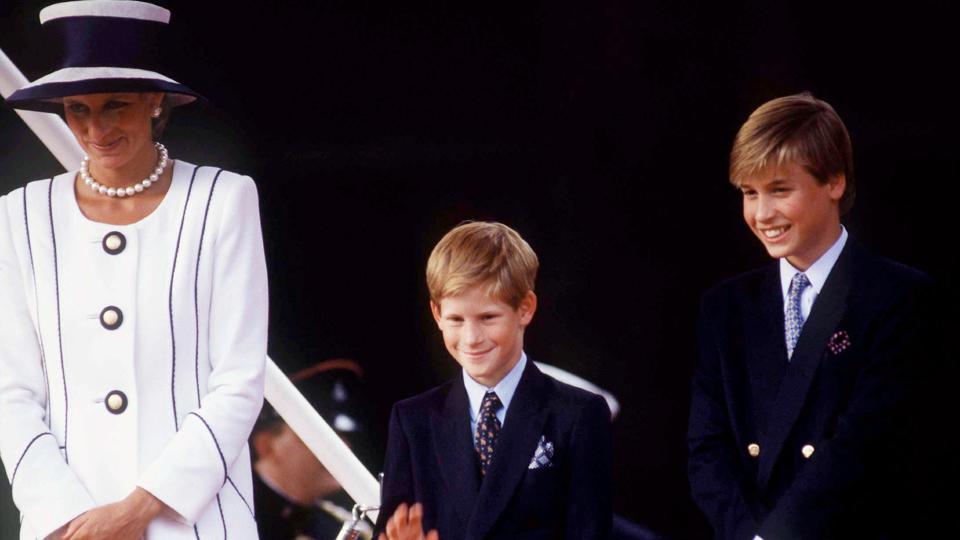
(797, 129)
(482, 254)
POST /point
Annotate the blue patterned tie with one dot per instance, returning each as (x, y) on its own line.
(794, 317)
(488, 427)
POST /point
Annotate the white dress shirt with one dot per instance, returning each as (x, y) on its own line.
(817, 274)
(504, 389)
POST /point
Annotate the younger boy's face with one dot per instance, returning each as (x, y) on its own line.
(793, 214)
(483, 334)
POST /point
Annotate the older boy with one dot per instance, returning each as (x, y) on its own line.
(504, 451)
(800, 400)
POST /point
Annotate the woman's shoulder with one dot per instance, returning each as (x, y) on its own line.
(33, 191)
(226, 196)
(33, 185)
(223, 179)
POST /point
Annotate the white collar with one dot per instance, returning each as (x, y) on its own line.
(818, 271)
(504, 389)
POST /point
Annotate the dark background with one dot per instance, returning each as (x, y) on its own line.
(599, 130)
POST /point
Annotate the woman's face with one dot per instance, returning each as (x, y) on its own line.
(113, 129)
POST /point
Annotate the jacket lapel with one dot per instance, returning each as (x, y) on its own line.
(767, 361)
(515, 448)
(827, 311)
(455, 453)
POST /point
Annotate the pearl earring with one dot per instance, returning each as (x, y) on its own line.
(156, 111)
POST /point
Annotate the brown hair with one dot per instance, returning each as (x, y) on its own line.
(482, 254)
(800, 129)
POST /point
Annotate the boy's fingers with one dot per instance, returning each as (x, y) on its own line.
(397, 523)
(416, 515)
(401, 515)
(391, 528)
(433, 535)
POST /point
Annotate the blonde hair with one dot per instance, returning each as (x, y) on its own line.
(482, 254)
(797, 129)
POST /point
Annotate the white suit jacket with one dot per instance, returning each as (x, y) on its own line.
(164, 394)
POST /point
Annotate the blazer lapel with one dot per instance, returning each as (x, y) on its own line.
(455, 453)
(515, 448)
(767, 361)
(827, 311)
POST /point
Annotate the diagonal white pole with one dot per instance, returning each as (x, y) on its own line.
(320, 438)
(51, 130)
(279, 391)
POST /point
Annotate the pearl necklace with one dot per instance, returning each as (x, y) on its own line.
(129, 191)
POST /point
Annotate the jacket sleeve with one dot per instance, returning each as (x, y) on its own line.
(589, 512)
(45, 489)
(872, 430)
(397, 473)
(716, 476)
(193, 467)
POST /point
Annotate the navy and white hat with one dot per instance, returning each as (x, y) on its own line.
(108, 46)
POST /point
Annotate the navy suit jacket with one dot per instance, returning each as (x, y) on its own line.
(430, 459)
(849, 396)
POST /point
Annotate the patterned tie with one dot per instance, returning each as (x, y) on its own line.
(488, 427)
(794, 317)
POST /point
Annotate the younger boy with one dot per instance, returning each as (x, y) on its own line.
(800, 403)
(503, 451)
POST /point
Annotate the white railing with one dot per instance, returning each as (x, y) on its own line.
(279, 391)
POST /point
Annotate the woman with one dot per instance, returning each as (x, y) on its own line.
(133, 308)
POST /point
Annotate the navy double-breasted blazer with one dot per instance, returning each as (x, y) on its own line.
(818, 446)
(430, 459)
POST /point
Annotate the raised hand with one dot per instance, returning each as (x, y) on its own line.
(406, 523)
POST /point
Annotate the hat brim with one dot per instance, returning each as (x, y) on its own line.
(46, 94)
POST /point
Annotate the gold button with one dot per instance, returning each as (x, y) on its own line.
(807, 450)
(111, 317)
(116, 402)
(753, 449)
(113, 242)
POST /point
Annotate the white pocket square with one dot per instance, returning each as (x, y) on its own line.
(543, 457)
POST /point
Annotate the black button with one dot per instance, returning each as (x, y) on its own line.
(116, 402)
(114, 242)
(111, 317)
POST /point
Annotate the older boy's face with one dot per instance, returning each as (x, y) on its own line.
(793, 214)
(483, 334)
